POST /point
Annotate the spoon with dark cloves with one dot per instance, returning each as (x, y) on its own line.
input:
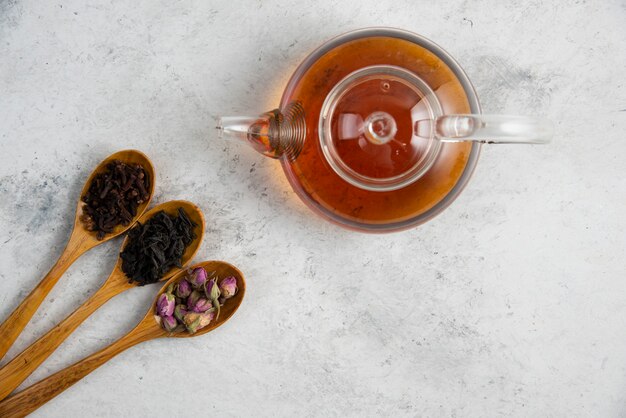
(224, 286)
(115, 195)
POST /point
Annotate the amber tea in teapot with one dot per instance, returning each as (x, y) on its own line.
(379, 130)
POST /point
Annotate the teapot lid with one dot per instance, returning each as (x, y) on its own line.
(375, 127)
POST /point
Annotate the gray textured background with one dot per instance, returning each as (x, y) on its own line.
(511, 303)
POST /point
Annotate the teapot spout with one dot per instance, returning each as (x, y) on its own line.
(275, 134)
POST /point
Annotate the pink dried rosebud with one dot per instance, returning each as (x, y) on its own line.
(165, 305)
(180, 312)
(169, 323)
(212, 290)
(183, 289)
(201, 305)
(195, 321)
(193, 298)
(198, 277)
(228, 286)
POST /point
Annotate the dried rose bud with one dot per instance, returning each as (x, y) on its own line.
(165, 305)
(169, 323)
(201, 305)
(195, 321)
(211, 290)
(179, 312)
(228, 286)
(193, 298)
(198, 277)
(183, 289)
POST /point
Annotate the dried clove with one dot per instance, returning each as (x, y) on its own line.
(112, 198)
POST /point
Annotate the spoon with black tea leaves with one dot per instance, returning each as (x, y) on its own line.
(28, 400)
(18, 369)
(81, 240)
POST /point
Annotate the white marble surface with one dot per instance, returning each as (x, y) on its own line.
(511, 303)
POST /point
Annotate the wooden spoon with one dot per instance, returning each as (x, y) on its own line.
(18, 369)
(80, 242)
(25, 402)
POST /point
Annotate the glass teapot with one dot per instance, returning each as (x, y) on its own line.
(379, 130)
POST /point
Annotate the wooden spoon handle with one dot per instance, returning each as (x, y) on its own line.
(18, 369)
(31, 398)
(15, 323)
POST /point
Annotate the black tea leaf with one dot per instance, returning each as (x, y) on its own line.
(156, 246)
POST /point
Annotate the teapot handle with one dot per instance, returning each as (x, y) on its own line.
(492, 129)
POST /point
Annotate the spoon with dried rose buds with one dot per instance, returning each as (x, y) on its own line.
(169, 235)
(115, 195)
(194, 301)
(220, 286)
